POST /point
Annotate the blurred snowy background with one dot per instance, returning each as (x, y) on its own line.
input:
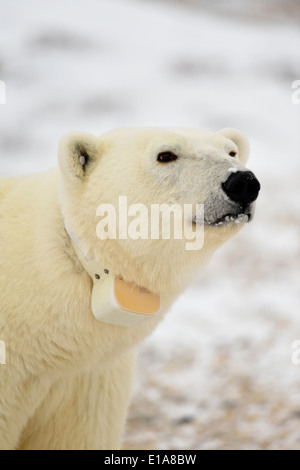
(217, 373)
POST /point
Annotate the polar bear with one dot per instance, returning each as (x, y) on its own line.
(67, 379)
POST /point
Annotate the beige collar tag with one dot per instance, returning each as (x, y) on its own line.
(115, 301)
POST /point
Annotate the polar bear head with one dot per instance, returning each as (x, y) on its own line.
(156, 166)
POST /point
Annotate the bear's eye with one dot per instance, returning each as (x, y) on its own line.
(166, 157)
(232, 153)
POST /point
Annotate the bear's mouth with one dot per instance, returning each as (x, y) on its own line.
(234, 217)
(227, 219)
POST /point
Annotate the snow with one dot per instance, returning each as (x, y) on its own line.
(220, 363)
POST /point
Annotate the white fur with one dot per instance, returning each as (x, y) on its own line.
(67, 381)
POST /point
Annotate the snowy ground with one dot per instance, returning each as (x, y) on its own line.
(217, 374)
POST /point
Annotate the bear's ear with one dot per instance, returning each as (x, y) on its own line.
(240, 140)
(77, 154)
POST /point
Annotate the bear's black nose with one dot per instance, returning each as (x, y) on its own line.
(242, 187)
